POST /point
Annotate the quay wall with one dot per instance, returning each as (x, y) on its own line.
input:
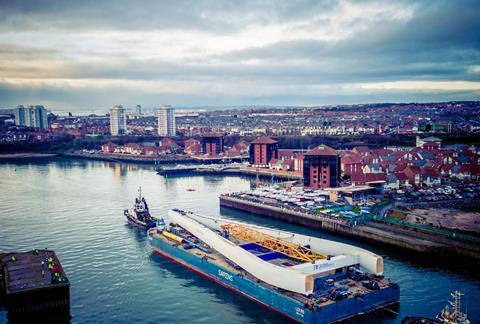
(399, 238)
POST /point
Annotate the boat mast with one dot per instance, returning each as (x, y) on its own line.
(456, 305)
(457, 316)
(140, 192)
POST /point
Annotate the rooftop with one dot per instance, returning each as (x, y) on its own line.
(264, 140)
(322, 150)
(207, 135)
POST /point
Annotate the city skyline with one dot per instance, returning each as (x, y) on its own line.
(72, 55)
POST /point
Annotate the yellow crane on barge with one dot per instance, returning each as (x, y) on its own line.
(293, 250)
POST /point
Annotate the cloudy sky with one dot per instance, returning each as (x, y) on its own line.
(91, 54)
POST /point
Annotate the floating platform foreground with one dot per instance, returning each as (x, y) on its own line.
(34, 284)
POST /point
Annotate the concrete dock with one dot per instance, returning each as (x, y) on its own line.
(376, 232)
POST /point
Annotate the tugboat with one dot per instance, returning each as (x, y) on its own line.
(139, 215)
(450, 314)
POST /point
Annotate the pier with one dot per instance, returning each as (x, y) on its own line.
(34, 286)
(375, 232)
(227, 169)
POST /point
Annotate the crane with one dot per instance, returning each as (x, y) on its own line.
(292, 250)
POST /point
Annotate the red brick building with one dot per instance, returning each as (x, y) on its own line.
(262, 150)
(351, 164)
(321, 168)
(212, 144)
(192, 146)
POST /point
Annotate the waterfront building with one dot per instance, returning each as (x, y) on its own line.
(138, 109)
(262, 150)
(321, 167)
(355, 195)
(212, 144)
(108, 148)
(166, 121)
(32, 116)
(192, 146)
(118, 121)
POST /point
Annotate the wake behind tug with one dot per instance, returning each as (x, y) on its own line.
(139, 214)
(304, 278)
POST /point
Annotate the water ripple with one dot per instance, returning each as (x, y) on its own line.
(76, 208)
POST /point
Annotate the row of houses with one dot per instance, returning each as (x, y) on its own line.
(163, 147)
(191, 146)
(427, 164)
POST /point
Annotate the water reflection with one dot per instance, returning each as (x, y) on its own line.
(76, 207)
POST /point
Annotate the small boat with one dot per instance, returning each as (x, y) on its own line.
(450, 314)
(190, 189)
(139, 215)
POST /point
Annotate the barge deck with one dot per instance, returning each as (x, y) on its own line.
(34, 285)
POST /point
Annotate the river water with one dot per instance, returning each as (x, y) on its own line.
(76, 208)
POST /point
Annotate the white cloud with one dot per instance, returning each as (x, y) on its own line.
(223, 50)
(184, 45)
(423, 85)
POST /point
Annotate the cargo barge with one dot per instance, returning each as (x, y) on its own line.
(304, 278)
(34, 287)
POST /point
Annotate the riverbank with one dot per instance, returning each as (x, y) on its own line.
(165, 159)
(159, 159)
(393, 235)
(156, 160)
(24, 156)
